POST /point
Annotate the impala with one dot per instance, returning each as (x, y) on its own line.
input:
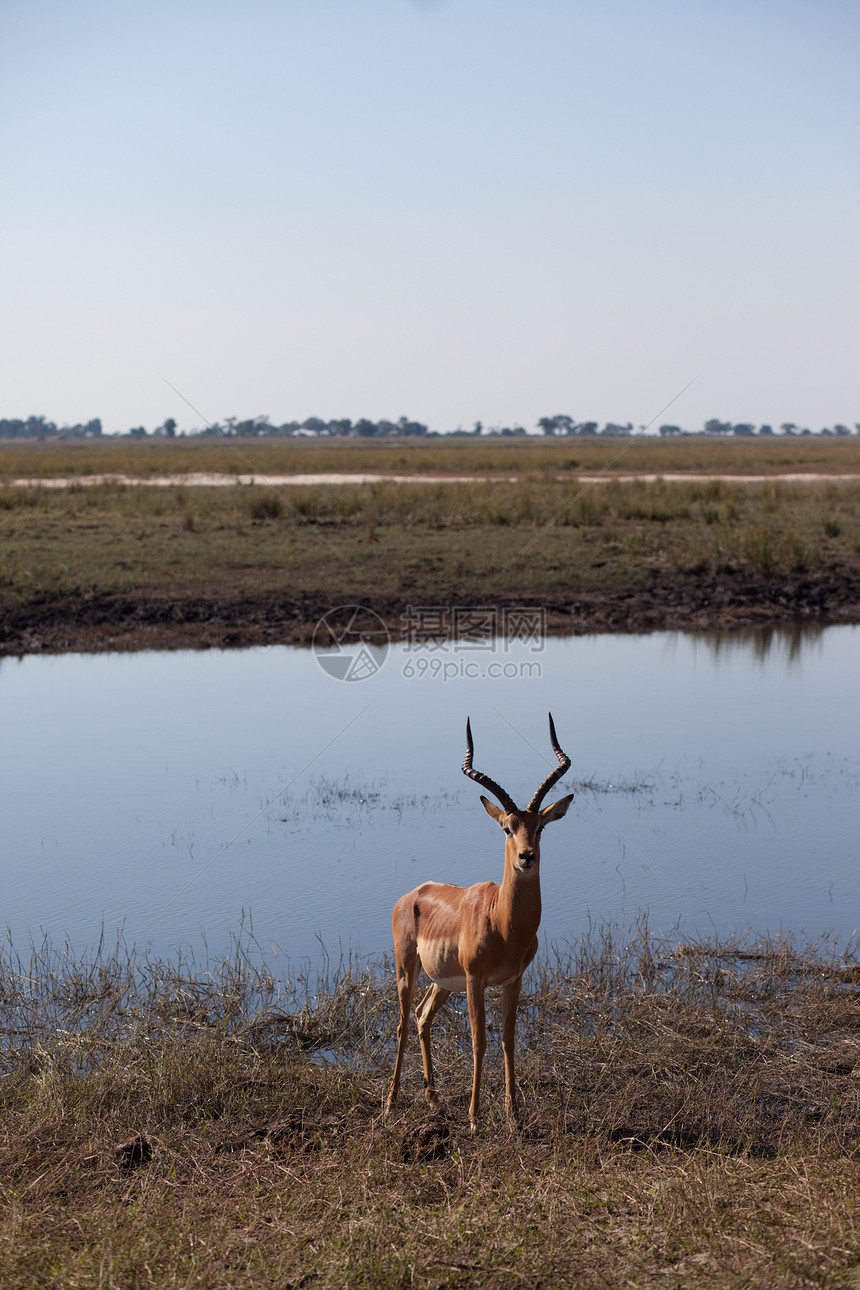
(467, 938)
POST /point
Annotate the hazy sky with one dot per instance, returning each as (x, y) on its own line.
(448, 209)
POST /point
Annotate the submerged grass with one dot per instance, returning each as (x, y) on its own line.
(691, 1117)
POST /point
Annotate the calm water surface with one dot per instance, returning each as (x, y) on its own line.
(169, 794)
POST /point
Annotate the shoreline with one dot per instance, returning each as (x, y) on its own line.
(100, 623)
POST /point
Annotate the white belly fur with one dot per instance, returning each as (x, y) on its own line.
(440, 961)
(451, 983)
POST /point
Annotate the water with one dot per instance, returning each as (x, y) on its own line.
(169, 795)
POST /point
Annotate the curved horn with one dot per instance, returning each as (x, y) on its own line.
(555, 775)
(489, 784)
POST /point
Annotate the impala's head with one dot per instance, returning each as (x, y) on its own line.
(522, 827)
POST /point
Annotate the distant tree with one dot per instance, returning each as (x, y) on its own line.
(840, 429)
(138, 432)
(37, 428)
(671, 431)
(715, 426)
(587, 428)
(170, 428)
(364, 428)
(477, 428)
(788, 427)
(744, 428)
(560, 424)
(32, 428)
(765, 430)
(410, 428)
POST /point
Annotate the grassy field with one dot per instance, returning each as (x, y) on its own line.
(112, 565)
(486, 456)
(691, 1118)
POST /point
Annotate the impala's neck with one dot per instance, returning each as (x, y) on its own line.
(518, 907)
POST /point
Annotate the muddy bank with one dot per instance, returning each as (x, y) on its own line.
(103, 622)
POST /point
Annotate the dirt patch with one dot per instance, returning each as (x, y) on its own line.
(106, 622)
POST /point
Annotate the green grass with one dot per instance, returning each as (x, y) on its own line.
(691, 1117)
(511, 539)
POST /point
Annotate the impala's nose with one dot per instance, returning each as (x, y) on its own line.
(527, 858)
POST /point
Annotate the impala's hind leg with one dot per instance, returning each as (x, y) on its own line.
(407, 975)
(424, 1014)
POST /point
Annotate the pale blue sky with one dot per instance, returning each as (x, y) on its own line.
(447, 209)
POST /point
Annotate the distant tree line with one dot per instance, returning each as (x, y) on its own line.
(261, 427)
(39, 428)
(745, 429)
(315, 427)
(563, 426)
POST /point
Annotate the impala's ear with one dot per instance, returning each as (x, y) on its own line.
(492, 809)
(556, 810)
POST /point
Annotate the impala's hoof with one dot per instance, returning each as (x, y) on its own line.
(513, 1118)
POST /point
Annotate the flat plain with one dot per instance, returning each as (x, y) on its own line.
(110, 565)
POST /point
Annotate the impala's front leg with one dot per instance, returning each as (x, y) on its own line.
(510, 999)
(478, 1021)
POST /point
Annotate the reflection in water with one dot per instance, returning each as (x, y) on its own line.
(168, 793)
(787, 642)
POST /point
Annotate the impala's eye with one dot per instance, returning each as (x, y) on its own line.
(507, 830)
